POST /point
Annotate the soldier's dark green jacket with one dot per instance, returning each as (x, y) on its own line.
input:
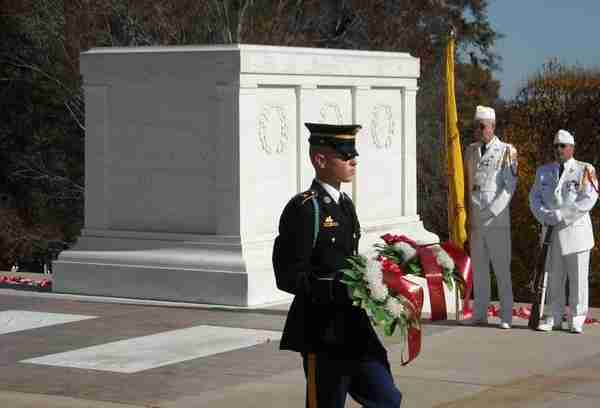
(321, 317)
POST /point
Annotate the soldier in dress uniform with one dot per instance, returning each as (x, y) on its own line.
(318, 230)
(563, 194)
(491, 181)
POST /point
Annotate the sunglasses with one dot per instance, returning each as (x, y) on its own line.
(560, 145)
(343, 157)
(346, 157)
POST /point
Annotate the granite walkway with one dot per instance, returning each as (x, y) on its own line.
(65, 351)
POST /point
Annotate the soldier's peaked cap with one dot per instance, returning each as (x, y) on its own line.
(339, 137)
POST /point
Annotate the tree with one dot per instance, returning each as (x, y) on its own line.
(422, 28)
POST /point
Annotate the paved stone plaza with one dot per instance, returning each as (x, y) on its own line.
(68, 351)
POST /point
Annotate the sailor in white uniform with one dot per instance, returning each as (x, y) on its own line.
(563, 194)
(491, 181)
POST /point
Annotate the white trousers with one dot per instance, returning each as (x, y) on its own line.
(491, 245)
(576, 267)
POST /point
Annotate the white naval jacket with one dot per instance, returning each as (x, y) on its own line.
(573, 196)
(491, 183)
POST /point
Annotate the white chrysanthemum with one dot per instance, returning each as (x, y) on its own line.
(408, 252)
(394, 307)
(374, 278)
(444, 260)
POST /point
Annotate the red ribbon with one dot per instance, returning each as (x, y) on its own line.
(413, 294)
(462, 262)
(434, 273)
(414, 344)
(435, 282)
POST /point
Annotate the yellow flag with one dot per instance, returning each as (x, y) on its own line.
(457, 215)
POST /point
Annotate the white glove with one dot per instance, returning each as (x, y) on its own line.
(553, 217)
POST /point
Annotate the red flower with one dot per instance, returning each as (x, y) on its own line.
(390, 267)
(19, 281)
(44, 283)
(391, 239)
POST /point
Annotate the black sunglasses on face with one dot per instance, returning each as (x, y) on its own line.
(560, 146)
(346, 157)
(343, 157)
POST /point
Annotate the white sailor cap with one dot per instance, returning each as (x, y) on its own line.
(485, 112)
(562, 136)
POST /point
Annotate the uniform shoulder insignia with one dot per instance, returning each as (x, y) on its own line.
(307, 195)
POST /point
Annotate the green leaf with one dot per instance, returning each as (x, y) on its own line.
(389, 328)
(415, 269)
(448, 280)
(372, 308)
(388, 317)
(380, 314)
(354, 262)
(359, 293)
(351, 274)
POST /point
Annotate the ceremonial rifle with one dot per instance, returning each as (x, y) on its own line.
(539, 281)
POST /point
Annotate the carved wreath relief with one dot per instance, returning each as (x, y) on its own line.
(273, 116)
(382, 126)
(331, 113)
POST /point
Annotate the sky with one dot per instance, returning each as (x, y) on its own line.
(538, 30)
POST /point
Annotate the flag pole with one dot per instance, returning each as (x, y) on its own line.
(451, 37)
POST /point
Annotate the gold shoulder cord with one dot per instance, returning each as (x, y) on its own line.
(589, 176)
(508, 159)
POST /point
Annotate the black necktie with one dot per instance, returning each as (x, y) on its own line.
(560, 170)
(483, 149)
(345, 204)
(348, 209)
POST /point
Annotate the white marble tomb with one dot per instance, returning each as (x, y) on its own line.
(192, 152)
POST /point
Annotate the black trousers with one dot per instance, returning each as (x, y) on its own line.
(329, 379)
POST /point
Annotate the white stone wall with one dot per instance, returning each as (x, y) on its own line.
(192, 152)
